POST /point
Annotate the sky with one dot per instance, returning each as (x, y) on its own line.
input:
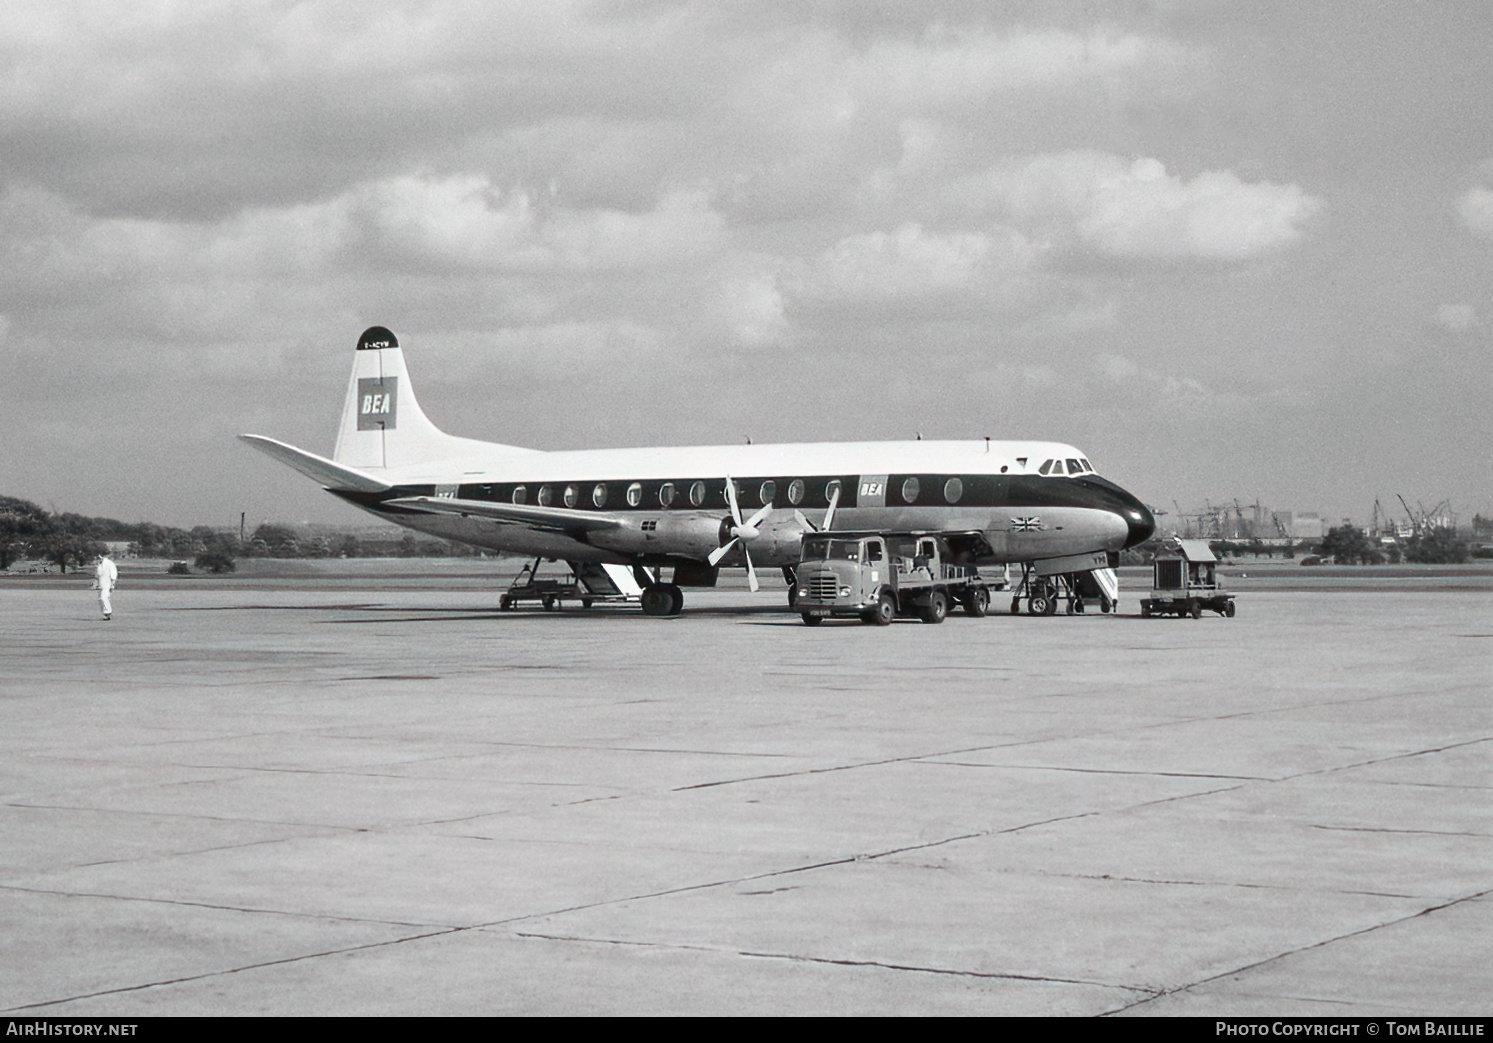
(1231, 250)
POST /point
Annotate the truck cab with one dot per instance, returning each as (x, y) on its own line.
(876, 576)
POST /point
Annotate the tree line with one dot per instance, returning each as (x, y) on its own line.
(73, 540)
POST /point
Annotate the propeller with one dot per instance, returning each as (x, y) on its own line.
(741, 532)
(829, 515)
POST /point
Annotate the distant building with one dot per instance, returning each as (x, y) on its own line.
(1306, 526)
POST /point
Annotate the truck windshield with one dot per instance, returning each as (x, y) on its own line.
(819, 550)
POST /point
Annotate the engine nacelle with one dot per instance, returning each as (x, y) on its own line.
(692, 535)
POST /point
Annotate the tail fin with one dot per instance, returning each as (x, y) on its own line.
(382, 424)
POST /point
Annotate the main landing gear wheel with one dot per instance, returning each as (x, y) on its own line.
(1195, 610)
(977, 602)
(662, 599)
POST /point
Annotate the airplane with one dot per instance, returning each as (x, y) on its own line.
(635, 512)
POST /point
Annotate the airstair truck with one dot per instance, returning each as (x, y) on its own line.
(877, 576)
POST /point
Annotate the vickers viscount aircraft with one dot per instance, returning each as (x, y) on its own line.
(637, 512)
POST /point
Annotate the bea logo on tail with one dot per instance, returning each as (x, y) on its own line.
(378, 403)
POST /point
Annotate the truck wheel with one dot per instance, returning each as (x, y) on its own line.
(977, 602)
(505, 604)
(811, 620)
(936, 609)
(1145, 610)
(1229, 611)
(885, 611)
(1195, 610)
(549, 604)
(1039, 604)
(1078, 605)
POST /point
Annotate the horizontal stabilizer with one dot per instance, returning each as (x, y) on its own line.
(318, 468)
(552, 519)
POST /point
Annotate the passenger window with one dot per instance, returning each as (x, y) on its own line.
(768, 491)
(599, 494)
(545, 496)
(831, 489)
(666, 494)
(520, 494)
(953, 490)
(910, 491)
(634, 494)
(571, 495)
(796, 491)
(697, 494)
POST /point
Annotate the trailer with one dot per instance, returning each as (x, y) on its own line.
(586, 583)
(877, 576)
(1185, 582)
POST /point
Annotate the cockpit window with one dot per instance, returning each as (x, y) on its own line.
(1074, 467)
(1046, 466)
(1086, 465)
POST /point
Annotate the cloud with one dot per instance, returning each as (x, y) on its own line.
(464, 222)
(969, 68)
(1134, 210)
(909, 265)
(1458, 318)
(751, 307)
(1476, 209)
(1117, 368)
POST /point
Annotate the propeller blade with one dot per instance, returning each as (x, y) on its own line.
(834, 500)
(751, 572)
(759, 517)
(731, 499)
(808, 525)
(720, 552)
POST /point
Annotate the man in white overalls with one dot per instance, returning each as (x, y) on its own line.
(107, 575)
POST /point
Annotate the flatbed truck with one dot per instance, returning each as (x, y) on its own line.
(877, 576)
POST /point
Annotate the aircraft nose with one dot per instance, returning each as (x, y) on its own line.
(1139, 519)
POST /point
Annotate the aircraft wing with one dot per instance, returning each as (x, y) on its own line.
(318, 468)
(532, 516)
